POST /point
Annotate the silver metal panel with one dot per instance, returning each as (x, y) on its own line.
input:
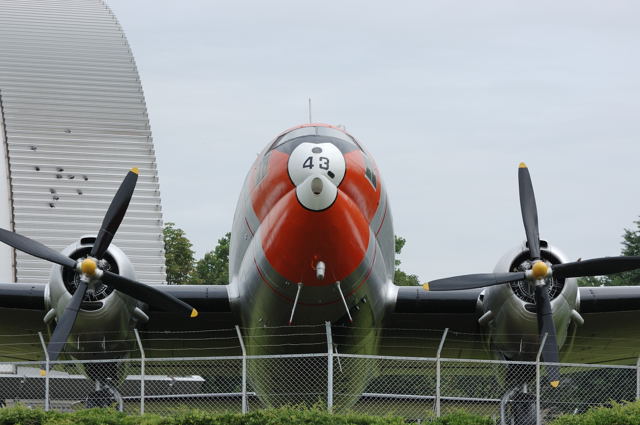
(76, 121)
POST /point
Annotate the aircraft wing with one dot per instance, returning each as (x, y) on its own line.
(21, 318)
(207, 299)
(455, 310)
(610, 332)
(611, 329)
(212, 333)
(418, 319)
(22, 312)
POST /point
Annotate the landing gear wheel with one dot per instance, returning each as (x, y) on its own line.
(523, 408)
(518, 407)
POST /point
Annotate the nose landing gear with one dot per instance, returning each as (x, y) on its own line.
(518, 405)
(105, 395)
(106, 376)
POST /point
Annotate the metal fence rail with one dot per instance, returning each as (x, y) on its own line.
(416, 388)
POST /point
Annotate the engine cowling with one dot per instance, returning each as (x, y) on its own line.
(103, 311)
(508, 312)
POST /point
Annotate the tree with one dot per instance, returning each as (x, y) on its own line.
(401, 278)
(213, 268)
(631, 247)
(178, 254)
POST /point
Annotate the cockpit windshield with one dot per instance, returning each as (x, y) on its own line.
(314, 131)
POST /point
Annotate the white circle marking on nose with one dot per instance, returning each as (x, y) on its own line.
(316, 159)
(316, 169)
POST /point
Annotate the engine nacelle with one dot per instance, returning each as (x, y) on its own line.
(103, 311)
(508, 312)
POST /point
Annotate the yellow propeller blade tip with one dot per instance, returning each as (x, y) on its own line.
(194, 313)
(425, 286)
(135, 170)
(522, 165)
(555, 384)
(43, 372)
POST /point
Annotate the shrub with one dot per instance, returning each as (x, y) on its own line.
(462, 418)
(21, 415)
(281, 416)
(617, 414)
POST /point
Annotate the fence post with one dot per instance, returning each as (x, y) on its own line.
(638, 379)
(142, 364)
(329, 367)
(46, 372)
(444, 336)
(244, 370)
(538, 413)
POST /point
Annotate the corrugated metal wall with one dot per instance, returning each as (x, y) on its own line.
(76, 121)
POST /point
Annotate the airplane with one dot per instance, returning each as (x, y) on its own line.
(313, 242)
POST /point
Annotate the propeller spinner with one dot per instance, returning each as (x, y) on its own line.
(90, 271)
(537, 274)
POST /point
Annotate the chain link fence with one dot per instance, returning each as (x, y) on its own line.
(416, 388)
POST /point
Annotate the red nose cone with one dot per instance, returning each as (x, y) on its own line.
(294, 239)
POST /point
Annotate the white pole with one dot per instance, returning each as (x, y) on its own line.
(638, 379)
(46, 371)
(344, 302)
(538, 413)
(295, 303)
(142, 364)
(444, 336)
(329, 367)
(244, 370)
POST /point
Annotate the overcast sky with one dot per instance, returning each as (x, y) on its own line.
(447, 96)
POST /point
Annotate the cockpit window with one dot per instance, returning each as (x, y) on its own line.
(314, 131)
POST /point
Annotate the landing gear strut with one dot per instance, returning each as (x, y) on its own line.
(518, 405)
(105, 395)
(106, 376)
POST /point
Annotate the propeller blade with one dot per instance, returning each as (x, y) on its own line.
(596, 267)
(63, 328)
(529, 211)
(147, 294)
(472, 281)
(115, 214)
(35, 248)
(546, 326)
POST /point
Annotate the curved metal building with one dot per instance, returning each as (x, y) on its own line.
(73, 120)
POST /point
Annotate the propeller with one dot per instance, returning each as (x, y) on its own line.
(529, 211)
(539, 271)
(115, 214)
(90, 272)
(63, 328)
(35, 248)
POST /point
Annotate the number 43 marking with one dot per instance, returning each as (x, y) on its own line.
(324, 163)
